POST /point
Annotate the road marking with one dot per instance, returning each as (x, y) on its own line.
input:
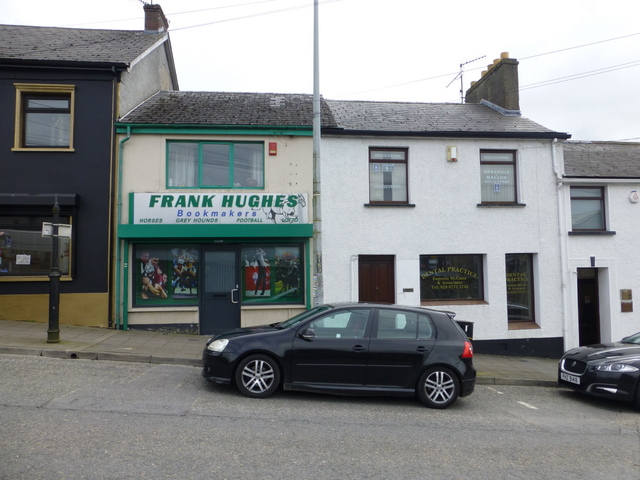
(528, 406)
(497, 391)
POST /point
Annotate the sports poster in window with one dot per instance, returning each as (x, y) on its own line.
(272, 274)
(165, 276)
(184, 277)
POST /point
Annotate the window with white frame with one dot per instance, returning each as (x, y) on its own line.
(388, 175)
(215, 165)
(498, 181)
(587, 209)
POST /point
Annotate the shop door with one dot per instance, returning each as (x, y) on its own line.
(220, 300)
(376, 278)
(588, 306)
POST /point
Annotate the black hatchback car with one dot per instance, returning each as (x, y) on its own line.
(608, 370)
(349, 349)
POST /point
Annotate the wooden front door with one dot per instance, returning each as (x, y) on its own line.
(376, 279)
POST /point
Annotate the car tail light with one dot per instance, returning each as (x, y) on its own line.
(468, 350)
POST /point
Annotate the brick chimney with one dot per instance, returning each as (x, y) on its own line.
(154, 19)
(497, 85)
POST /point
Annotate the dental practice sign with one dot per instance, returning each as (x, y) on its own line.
(224, 208)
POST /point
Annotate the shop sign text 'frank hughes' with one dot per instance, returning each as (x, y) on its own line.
(175, 209)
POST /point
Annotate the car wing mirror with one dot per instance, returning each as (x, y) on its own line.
(308, 334)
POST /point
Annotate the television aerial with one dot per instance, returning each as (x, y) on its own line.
(460, 75)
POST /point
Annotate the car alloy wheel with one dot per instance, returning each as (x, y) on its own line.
(257, 376)
(439, 387)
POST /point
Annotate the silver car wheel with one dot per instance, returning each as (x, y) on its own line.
(258, 376)
(440, 387)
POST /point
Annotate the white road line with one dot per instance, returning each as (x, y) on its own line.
(528, 406)
(497, 391)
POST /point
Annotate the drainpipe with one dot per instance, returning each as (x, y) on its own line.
(121, 311)
(562, 238)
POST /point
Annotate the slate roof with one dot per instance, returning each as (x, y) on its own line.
(61, 46)
(601, 159)
(433, 119)
(338, 117)
(226, 109)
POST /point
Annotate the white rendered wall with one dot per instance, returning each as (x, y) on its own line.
(446, 219)
(617, 258)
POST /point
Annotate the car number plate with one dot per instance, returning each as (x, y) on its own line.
(570, 378)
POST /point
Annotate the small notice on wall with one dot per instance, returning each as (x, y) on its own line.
(23, 259)
(626, 300)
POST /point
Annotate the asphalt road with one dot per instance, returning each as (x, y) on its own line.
(83, 419)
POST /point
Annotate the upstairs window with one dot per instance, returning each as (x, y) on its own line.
(215, 165)
(388, 176)
(587, 209)
(44, 117)
(498, 177)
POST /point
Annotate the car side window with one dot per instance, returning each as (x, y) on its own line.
(343, 324)
(403, 325)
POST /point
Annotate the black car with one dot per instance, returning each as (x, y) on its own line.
(610, 370)
(350, 349)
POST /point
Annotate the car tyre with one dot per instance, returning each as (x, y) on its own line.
(257, 376)
(438, 387)
(636, 398)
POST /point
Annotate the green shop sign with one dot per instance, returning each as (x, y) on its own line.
(207, 209)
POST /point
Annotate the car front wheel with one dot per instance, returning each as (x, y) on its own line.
(438, 387)
(257, 376)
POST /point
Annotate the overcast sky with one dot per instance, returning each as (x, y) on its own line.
(579, 60)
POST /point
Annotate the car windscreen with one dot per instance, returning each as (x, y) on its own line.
(302, 316)
(635, 339)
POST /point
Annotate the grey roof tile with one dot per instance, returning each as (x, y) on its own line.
(28, 44)
(601, 159)
(224, 108)
(428, 118)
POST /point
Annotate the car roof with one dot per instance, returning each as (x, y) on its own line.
(390, 305)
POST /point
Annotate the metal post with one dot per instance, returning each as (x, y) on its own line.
(53, 334)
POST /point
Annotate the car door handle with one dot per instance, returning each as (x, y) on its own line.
(359, 348)
(422, 349)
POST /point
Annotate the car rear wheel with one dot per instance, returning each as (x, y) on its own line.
(438, 387)
(257, 376)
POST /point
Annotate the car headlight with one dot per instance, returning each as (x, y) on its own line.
(616, 367)
(218, 345)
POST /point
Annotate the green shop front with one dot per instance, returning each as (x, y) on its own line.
(204, 263)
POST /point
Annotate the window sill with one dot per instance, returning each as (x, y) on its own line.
(42, 149)
(593, 232)
(33, 278)
(523, 326)
(383, 204)
(435, 303)
(497, 204)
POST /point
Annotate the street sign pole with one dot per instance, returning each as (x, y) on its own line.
(53, 333)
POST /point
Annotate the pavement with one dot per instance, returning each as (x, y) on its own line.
(92, 343)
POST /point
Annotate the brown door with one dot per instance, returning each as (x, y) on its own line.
(376, 278)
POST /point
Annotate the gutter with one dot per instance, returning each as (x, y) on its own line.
(121, 311)
(327, 131)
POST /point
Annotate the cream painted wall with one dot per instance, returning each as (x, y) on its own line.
(144, 169)
(446, 219)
